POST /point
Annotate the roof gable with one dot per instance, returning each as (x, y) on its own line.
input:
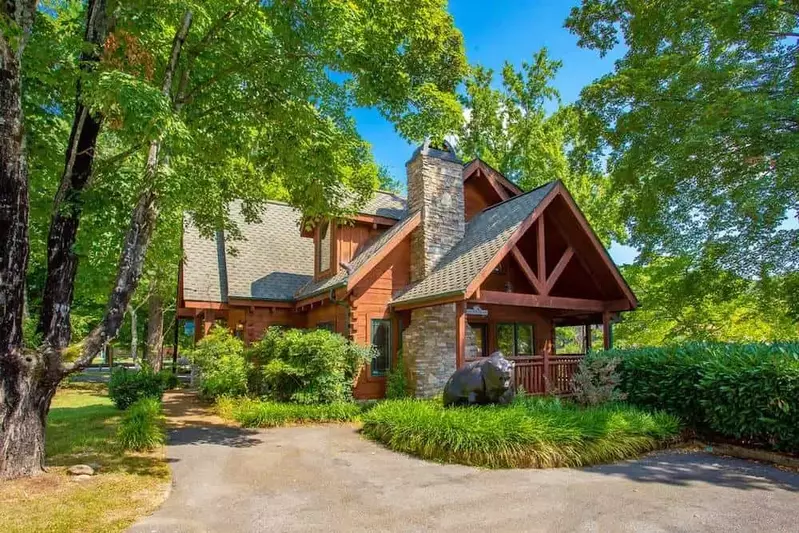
(494, 233)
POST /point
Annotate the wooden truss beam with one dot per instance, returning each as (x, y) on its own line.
(539, 287)
(559, 268)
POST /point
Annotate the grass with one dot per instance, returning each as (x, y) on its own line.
(142, 426)
(530, 433)
(82, 429)
(266, 414)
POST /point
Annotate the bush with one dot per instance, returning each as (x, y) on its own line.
(127, 386)
(142, 426)
(397, 381)
(744, 392)
(307, 367)
(265, 414)
(224, 370)
(596, 381)
(169, 379)
(531, 432)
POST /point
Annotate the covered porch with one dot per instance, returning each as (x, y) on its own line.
(525, 330)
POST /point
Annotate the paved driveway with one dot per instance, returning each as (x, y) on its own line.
(328, 478)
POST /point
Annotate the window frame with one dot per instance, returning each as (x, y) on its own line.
(390, 346)
(483, 326)
(516, 326)
(318, 248)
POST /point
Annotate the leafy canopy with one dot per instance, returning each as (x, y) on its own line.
(513, 130)
(698, 125)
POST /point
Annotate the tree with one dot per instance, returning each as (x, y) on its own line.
(684, 301)
(211, 101)
(698, 125)
(513, 130)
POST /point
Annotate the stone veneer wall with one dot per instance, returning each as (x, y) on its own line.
(429, 348)
(435, 189)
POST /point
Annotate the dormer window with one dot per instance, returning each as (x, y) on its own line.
(323, 247)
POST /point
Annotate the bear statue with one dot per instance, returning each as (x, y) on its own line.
(486, 381)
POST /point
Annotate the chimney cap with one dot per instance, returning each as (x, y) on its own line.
(440, 149)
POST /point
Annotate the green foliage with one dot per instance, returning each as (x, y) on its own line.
(128, 386)
(596, 381)
(745, 392)
(511, 129)
(169, 379)
(697, 124)
(219, 356)
(265, 414)
(397, 380)
(682, 301)
(142, 426)
(308, 366)
(530, 433)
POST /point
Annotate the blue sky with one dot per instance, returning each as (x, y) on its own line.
(495, 32)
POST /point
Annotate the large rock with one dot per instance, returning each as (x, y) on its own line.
(80, 470)
(482, 382)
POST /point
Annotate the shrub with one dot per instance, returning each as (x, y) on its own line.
(264, 414)
(142, 426)
(531, 432)
(596, 381)
(169, 379)
(397, 380)
(219, 356)
(745, 392)
(307, 366)
(127, 386)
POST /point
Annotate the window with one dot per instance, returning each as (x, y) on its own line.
(479, 338)
(381, 340)
(516, 339)
(324, 247)
(328, 326)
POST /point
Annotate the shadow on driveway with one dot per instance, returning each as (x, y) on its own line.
(689, 468)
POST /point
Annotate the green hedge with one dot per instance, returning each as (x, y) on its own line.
(223, 367)
(530, 433)
(744, 392)
(128, 386)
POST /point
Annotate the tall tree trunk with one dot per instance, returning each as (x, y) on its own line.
(62, 262)
(28, 381)
(134, 333)
(155, 331)
(21, 440)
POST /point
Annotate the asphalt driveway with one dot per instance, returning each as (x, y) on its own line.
(328, 478)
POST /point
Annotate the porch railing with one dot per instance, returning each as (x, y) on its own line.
(554, 376)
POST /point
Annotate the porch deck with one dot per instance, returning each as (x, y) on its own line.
(538, 374)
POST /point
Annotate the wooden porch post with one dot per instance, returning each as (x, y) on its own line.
(607, 330)
(460, 334)
(548, 347)
(587, 338)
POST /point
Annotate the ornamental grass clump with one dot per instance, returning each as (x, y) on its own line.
(530, 433)
(266, 414)
(142, 426)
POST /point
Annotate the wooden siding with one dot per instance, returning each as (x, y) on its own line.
(352, 237)
(477, 195)
(370, 299)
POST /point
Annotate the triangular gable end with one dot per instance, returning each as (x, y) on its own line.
(572, 263)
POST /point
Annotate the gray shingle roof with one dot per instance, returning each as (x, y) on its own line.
(271, 262)
(484, 236)
(386, 204)
(357, 263)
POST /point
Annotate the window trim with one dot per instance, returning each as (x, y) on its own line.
(318, 249)
(484, 327)
(516, 325)
(389, 355)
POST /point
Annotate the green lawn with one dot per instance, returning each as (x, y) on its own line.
(82, 429)
(531, 433)
(265, 414)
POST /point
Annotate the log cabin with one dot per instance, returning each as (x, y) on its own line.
(466, 265)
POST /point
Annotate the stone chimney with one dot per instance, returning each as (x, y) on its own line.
(435, 188)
